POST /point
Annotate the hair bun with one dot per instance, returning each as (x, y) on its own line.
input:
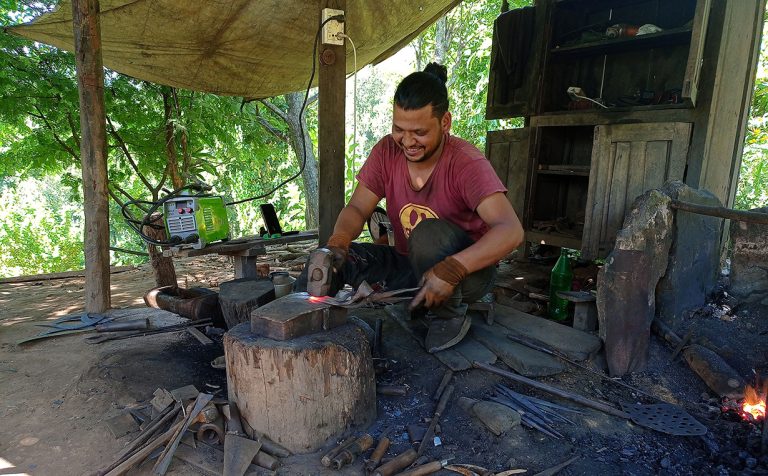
(437, 70)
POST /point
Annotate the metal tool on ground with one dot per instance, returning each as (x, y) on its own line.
(365, 295)
(530, 415)
(164, 460)
(134, 325)
(393, 466)
(564, 358)
(435, 419)
(381, 449)
(239, 451)
(556, 469)
(447, 376)
(351, 452)
(105, 337)
(664, 418)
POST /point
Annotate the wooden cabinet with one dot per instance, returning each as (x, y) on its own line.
(588, 155)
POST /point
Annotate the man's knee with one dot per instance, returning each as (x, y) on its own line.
(439, 238)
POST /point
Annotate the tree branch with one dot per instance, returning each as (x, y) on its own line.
(55, 135)
(72, 127)
(276, 110)
(272, 129)
(113, 132)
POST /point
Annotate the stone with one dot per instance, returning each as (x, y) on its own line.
(575, 344)
(749, 262)
(694, 257)
(626, 301)
(496, 417)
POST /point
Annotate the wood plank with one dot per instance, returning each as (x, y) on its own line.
(453, 360)
(696, 51)
(473, 351)
(63, 275)
(522, 359)
(636, 177)
(330, 135)
(93, 152)
(576, 344)
(671, 113)
(617, 191)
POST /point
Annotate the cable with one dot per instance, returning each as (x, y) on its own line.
(339, 18)
(590, 99)
(354, 108)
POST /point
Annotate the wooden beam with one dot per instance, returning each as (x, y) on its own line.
(330, 137)
(93, 152)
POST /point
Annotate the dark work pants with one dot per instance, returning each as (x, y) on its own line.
(431, 241)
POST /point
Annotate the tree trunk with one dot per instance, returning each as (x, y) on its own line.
(441, 39)
(165, 273)
(170, 139)
(310, 173)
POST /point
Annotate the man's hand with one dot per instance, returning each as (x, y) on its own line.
(339, 256)
(434, 291)
(438, 283)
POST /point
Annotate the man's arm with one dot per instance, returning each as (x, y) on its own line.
(354, 215)
(505, 234)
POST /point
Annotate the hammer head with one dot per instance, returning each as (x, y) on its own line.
(319, 272)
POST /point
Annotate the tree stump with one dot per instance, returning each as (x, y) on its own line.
(162, 266)
(302, 391)
(239, 297)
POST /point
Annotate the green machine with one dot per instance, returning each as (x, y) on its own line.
(195, 221)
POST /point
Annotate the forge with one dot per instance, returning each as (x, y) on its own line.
(300, 372)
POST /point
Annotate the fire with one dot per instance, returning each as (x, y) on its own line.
(754, 404)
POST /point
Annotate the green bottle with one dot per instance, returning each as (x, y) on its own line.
(560, 280)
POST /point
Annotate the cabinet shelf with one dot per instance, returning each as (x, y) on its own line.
(673, 36)
(564, 170)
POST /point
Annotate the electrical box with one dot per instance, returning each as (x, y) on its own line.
(195, 221)
(333, 29)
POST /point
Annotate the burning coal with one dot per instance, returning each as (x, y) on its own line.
(753, 407)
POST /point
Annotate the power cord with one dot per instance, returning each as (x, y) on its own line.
(339, 18)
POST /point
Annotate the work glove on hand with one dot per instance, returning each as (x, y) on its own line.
(338, 244)
(438, 283)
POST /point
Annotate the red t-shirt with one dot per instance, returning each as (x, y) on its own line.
(461, 179)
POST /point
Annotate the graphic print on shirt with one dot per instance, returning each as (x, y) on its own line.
(412, 214)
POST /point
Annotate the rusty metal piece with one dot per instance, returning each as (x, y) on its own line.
(192, 303)
(319, 272)
(212, 433)
(399, 390)
(401, 461)
(208, 414)
(328, 57)
(295, 315)
(376, 352)
(348, 454)
(424, 469)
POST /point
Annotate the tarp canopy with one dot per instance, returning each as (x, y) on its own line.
(250, 48)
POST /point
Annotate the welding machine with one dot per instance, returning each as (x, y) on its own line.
(195, 221)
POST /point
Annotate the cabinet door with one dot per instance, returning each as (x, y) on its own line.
(513, 96)
(627, 160)
(508, 152)
(695, 54)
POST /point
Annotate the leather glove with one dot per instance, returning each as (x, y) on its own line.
(338, 244)
(438, 283)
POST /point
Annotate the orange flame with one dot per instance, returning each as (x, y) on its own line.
(754, 404)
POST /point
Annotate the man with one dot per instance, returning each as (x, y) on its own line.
(451, 219)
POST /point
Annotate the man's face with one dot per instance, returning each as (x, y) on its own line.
(418, 132)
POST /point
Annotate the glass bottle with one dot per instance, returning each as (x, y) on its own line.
(560, 280)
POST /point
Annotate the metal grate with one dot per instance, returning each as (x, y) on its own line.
(208, 218)
(665, 418)
(182, 224)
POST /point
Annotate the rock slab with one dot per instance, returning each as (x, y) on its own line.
(749, 263)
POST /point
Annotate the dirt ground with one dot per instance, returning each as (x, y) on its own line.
(57, 393)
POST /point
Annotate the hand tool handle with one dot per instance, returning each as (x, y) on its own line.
(378, 453)
(424, 469)
(397, 463)
(443, 383)
(443, 401)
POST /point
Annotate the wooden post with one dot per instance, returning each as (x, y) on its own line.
(93, 152)
(330, 137)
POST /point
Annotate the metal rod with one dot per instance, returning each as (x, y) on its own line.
(721, 212)
(554, 390)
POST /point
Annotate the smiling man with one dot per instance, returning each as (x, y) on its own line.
(451, 219)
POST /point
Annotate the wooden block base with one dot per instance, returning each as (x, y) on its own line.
(302, 391)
